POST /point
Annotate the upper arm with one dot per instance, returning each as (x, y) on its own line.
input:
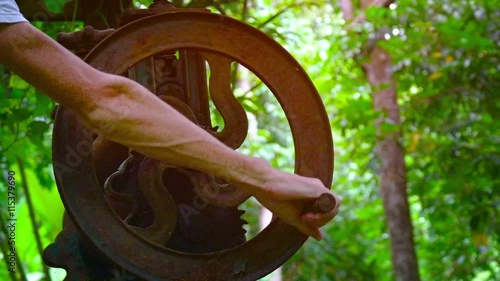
(49, 67)
(9, 16)
(6, 36)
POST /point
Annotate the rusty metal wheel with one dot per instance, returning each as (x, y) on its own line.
(218, 37)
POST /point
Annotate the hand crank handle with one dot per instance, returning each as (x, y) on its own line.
(324, 204)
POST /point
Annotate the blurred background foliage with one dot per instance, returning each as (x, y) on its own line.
(446, 65)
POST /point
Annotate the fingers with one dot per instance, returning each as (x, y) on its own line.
(314, 232)
(317, 235)
(285, 186)
(313, 221)
(320, 219)
(317, 220)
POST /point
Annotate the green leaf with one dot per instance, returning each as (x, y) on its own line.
(19, 114)
(55, 6)
(36, 132)
(38, 127)
(16, 82)
(374, 14)
(43, 104)
(389, 128)
(5, 105)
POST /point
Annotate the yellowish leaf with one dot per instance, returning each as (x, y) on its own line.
(429, 146)
(415, 139)
(435, 75)
(436, 54)
(480, 239)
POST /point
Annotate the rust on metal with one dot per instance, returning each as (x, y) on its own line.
(235, 118)
(81, 42)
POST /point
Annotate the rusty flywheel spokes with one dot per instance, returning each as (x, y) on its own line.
(220, 41)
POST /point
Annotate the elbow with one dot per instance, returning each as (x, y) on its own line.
(105, 106)
(116, 106)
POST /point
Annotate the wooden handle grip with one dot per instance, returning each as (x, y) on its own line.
(324, 204)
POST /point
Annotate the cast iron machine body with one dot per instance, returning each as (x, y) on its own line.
(130, 217)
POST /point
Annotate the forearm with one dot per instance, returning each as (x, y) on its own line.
(131, 115)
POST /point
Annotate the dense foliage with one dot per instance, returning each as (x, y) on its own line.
(446, 64)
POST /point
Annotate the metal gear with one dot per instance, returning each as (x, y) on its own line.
(201, 227)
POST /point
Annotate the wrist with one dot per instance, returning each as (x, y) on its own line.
(253, 174)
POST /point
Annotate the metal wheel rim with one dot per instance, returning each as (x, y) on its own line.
(80, 190)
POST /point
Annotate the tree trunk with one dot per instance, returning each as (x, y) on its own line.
(378, 71)
(392, 168)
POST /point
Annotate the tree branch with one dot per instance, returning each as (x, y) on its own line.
(362, 16)
(347, 9)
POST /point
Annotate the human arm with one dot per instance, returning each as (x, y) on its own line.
(125, 112)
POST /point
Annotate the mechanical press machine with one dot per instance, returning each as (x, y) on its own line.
(126, 213)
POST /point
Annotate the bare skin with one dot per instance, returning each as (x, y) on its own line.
(123, 111)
